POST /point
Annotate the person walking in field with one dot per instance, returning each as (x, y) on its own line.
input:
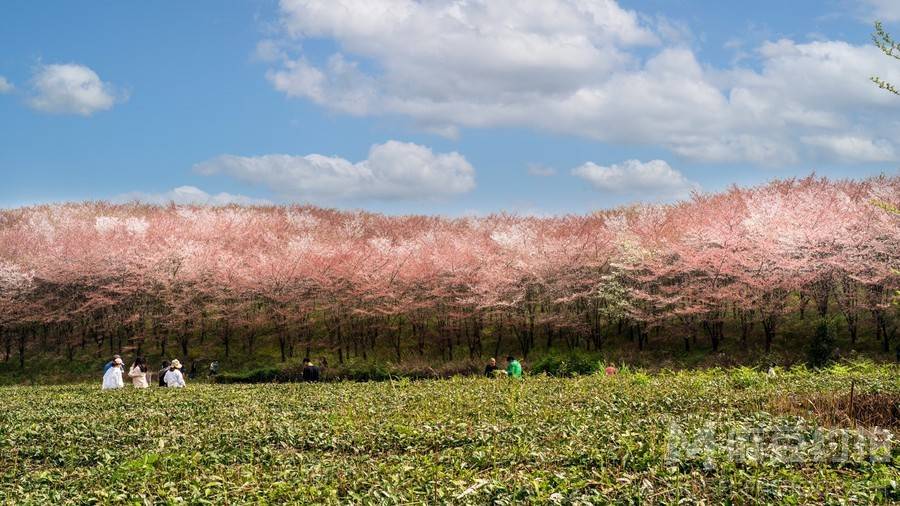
(161, 375)
(138, 373)
(109, 364)
(310, 372)
(173, 377)
(112, 378)
(513, 367)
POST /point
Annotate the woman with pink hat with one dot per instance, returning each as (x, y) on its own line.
(112, 378)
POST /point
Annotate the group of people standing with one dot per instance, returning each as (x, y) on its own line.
(170, 374)
(113, 374)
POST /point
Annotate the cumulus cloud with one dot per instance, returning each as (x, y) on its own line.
(340, 85)
(853, 148)
(184, 195)
(573, 66)
(393, 171)
(71, 89)
(5, 86)
(654, 179)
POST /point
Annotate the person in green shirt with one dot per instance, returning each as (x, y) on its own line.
(513, 367)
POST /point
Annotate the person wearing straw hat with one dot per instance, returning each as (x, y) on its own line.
(112, 378)
(174, 378)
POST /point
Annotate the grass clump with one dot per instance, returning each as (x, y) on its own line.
(568, 365)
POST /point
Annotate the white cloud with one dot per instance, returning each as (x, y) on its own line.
(340, 85)
(71, 89)
(853, 148)
(882, 10)
(269, 50)
(436, 52)
(539, 170)
(393, 171)
(571, 66)
(654, 179)
(5, 86)
(184, 195)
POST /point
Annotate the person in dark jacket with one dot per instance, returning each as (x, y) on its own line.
(310, 372)
(490, 370)
(162, 373)
(111, 363)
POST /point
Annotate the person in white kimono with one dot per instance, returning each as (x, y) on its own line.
(112, 378)
(173, 377)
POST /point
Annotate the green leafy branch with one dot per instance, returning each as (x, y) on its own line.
(887, 206)
(888, 46)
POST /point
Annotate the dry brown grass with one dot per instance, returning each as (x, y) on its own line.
(842, 409)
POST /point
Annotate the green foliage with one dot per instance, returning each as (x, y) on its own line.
(888, 46)
(571, 364)
(365, 371)
(746, 377)
(636, 376)
(887, 206)
(263, 375)
(591, 439)
(354, 370)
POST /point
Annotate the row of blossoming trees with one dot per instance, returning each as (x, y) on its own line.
(728, 265)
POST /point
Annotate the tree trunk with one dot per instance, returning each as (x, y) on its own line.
(226, 337)
(183, 338)
(251, 341)
(398, 338)
(23, 338)
(852, 327)
(769, 331)
(7, 345)
(882, 330)
(714, 331)
(499, 340)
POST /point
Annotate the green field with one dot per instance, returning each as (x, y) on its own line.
(710, 436)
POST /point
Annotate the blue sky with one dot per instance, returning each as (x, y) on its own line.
(447, 107)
